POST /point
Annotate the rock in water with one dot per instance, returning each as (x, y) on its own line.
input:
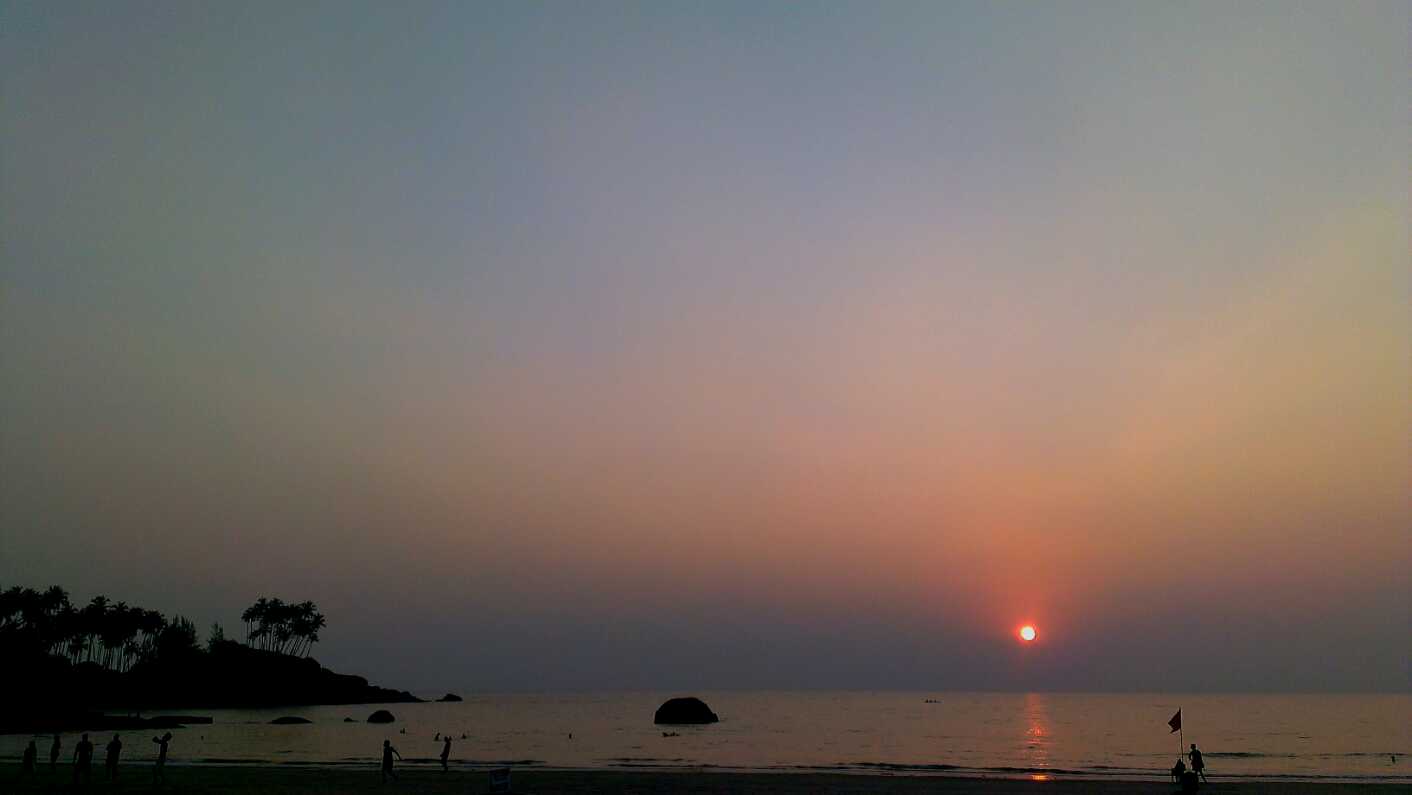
(449, 697)
(381, 716)
(289, 720)
(684, 710)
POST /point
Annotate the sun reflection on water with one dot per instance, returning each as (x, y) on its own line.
(1037, 734)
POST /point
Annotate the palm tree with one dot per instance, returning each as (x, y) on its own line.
(92, 617)
(254, 616)
(56, 608)
(282, 627)
(112, 632)
(310, 622)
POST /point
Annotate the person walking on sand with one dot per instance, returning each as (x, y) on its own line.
(1198, 765)
(83, 760)
(30, 758)
(115, 747)
(387, 753)
(445, 752)
(54, 753)
(159, 774)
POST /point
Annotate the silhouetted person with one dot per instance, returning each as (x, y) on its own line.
(1177, 770)
(1198, 765)
(159, 775)
(115, 747)
(387, 753)
(31, 757)
(445, 752)
(83, 760)
(54, 753)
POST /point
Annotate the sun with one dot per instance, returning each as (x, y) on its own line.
(1027, 633)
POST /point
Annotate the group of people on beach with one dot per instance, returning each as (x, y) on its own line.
(83, 758)
(388, 752)
(1198, 765)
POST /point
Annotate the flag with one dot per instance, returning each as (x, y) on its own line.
(1176, 722)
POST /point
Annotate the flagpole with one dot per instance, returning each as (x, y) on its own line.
(1181, 736)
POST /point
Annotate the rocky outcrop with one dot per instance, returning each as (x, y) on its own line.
(381, 716)
(449, 697)
(684, 710)
(289, 720)
(97, 721)
(60, 696)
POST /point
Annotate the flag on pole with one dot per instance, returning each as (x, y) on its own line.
(1175, 722)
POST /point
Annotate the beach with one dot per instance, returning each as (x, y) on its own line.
(1067, 736)
(285, 779)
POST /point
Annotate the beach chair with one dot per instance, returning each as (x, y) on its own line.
(500, 780)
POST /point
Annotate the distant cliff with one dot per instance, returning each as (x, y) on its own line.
(56, 694)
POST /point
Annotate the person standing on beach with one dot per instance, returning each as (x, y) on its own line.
(387, 753)
(54, 753)
(1198, 765)
(83, 760)
(30, 758)
(159, 775)
(115, 747)
(445, 752)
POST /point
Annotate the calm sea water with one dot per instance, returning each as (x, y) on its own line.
(1299, 737)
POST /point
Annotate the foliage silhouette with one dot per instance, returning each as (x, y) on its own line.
(273, 625)
(109, 655)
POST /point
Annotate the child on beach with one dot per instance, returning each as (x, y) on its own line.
(159, 774)
(1197, 763)
(83, 760)
(115, 747)
(387, 753)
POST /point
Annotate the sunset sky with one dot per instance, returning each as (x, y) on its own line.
(692, 345)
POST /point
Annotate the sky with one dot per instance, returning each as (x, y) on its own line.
(723, 345)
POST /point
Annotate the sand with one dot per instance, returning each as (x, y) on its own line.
(136, 777)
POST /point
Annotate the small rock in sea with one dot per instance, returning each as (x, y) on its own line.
(289, 720)
(684, 710)
(349, 720)
(449, 697)
(381, 716)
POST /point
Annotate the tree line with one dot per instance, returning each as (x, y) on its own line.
(118, 636)
(287, 628)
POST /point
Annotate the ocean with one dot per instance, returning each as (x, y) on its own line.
(1299, 737)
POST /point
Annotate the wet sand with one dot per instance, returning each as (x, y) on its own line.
(136, 777)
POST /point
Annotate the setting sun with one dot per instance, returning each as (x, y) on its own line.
(1027, 633)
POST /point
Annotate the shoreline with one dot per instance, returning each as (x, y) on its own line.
(528, 766)
(135, 776)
